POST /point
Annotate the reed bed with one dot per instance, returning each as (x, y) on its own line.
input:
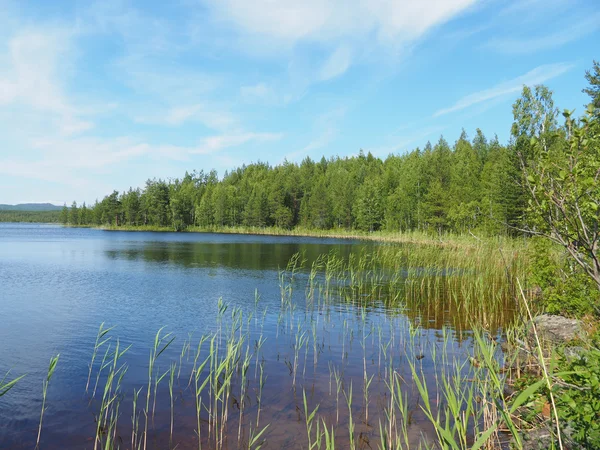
(444, 239)
(394, 349)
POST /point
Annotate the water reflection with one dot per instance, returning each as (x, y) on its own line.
(262, 255)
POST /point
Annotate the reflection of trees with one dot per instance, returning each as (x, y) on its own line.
(245, 256)
(433, 305)
(345, 275)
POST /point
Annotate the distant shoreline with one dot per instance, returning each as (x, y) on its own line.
(412, 237)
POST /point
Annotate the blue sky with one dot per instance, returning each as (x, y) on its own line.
(96, 96)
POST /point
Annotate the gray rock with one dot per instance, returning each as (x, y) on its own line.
(574, 353)
(557, 329)
(537, 439)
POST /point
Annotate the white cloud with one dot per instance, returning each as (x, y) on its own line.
(62, 159)
(178, 115)
(347, 30)
(216, 143)
(562, 35)
(258, 92)
(336, 64)
(155, 77)
(32, 77)
(538, 75)
(325, 20)
(326, 127)
(402, 142)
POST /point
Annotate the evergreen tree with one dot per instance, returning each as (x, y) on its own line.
(84, 215)
(74, 214)
(593, 90)
(64, 215)
(368, 207)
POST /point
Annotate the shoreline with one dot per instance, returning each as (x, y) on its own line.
(412, 237)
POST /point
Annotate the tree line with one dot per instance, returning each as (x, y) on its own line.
(472, 184)
(30, 216)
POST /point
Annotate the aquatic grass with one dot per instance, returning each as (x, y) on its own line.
(261, 385)
(309, 417)
(161, 343)
(135, 419)
(45, 384)
(6, 386)
(199, 387)
(255, 442)
(107, 417)
(100, 341)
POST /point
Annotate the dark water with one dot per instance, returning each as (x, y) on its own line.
(57, 285)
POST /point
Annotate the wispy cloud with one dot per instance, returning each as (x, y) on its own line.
(324, 20)
(326, 128)
(33, 80)
(559, 36)
(336, 64)
(321, 141)
(402, 142)
(343, 30)
(62, 158)
(216, 143)
(178, 115)
(538, 75)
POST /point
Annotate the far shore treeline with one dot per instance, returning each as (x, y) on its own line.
(475, 183)
(30, 216)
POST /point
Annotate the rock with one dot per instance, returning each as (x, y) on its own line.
(537, 439)
(557, 329)
(541, 439)
(574, 353)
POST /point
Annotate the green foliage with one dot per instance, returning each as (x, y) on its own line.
(593, 90)
(31, 216)
(566, 289)
(74, 214)
(7, 385)
(564, 190)
(578, 401)
(64, 214)
(478, 186)
(442, 188)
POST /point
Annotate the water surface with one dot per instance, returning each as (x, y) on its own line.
(58, 284)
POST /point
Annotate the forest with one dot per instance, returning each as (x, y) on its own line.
(474, 184)
(463, 186)
(30, 216)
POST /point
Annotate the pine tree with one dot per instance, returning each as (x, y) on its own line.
(593, 90)
(74, 214)
(64, 215)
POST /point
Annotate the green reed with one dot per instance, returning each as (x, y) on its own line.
(6, 386)
(45, 384)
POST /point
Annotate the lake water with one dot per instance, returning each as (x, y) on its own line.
(57, 285)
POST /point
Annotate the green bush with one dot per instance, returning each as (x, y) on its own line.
(566, 289)
(578, 401)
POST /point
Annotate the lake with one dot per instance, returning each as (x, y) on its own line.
(296, 336)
